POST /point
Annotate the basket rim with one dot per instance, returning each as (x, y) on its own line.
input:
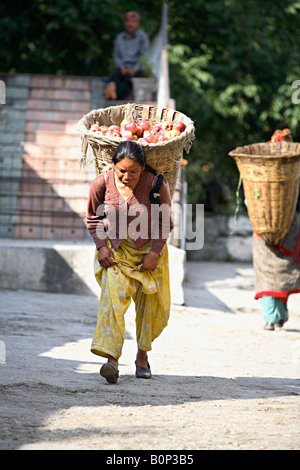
(184, 141)
(82, 122)
(276, 146)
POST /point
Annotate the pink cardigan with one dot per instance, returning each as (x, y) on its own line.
(109, 215)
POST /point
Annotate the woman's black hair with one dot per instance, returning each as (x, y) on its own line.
(135, 152)
(130, 149)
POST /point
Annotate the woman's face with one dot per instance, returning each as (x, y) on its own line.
(128, 171)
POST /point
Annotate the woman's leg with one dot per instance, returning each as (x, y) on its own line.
(274, 311)
(142, 358)
(283, 311)
(110, 330)
(152, 309)
(152, 315)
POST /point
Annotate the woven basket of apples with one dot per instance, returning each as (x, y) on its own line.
(163, 133)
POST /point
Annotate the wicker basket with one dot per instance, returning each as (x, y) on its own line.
(270, 174)
(164, 157)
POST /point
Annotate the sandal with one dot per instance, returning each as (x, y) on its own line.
(110, 373)
(143, 372)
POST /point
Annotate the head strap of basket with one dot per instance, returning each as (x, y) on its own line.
(164, 157)
(270, 173)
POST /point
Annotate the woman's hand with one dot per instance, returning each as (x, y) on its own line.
(149, 261)
(106, 257)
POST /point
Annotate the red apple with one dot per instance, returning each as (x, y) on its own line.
(139, 131)
(114, 128)
(113, 134)
(125, 133)
(151, 138)
(161, 136)
(167, 125)
(168, 135)
(103, 129)
(130, 126)
(175, 132)
(144, 124)
(126, 137)
(155, 129)
(94, 127)
(125, 121)
(180, 126)
(146, 134)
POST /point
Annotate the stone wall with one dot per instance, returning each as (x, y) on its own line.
(225, 239)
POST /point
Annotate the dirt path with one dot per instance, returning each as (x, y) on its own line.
(220, 381)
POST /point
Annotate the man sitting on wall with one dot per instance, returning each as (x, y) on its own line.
(129, 47)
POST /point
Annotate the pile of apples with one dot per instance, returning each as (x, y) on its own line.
(142, 132)
(279, 135)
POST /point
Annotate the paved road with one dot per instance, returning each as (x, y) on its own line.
(219, 380)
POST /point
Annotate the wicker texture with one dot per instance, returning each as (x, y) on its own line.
(270, 174)
(164, 157)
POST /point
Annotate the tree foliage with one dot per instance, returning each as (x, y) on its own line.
(234, 76)
(232, 63)
(71, 37)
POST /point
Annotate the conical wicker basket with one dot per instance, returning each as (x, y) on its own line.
(164, 157)
(270, 174)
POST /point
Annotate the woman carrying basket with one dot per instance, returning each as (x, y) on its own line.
(277, 267)
(277, 270)
(129, 218)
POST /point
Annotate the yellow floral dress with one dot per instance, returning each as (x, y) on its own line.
(150, 290)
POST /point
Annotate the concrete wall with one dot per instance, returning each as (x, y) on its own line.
(225, 239)
(66, 267)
